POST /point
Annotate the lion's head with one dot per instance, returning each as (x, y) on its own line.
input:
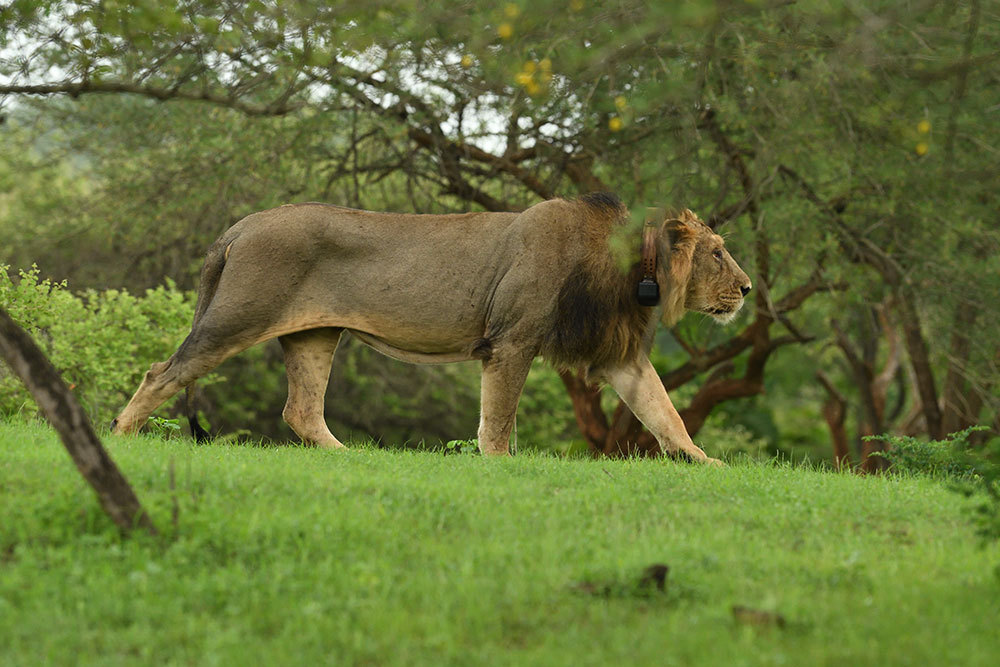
(705, 277)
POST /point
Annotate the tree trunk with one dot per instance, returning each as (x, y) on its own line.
(869, 463)
(959, 410)
(66, 415)
(835, 413)
(863, 379)
(916, 346)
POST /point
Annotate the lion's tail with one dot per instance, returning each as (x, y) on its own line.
(199, 434)
(211, 272)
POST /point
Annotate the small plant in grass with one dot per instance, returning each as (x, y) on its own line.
(163, 427)
(461, 446)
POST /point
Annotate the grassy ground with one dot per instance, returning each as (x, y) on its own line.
(296, 556)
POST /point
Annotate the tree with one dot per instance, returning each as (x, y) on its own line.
(827, 141)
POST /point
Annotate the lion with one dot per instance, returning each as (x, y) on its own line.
(500, 288)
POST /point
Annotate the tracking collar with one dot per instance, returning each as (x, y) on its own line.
(648, 291)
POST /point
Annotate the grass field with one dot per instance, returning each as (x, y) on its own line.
(296, 556)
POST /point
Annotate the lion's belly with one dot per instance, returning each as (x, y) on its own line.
(416, 353)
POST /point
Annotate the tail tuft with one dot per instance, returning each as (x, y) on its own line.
(199, 434)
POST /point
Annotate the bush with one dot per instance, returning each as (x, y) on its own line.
(101, 342)
(949, 458)
(984, 466)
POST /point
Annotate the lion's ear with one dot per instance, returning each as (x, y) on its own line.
(679, 234)
(682, 239)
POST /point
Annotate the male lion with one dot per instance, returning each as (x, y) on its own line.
(502, 288)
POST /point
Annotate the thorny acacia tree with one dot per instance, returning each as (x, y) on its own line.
(846, 149)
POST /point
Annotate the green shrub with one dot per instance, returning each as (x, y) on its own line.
(101, 342)
(984, 483)
(949, 457)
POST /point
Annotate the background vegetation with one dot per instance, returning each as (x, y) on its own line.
(847, 151)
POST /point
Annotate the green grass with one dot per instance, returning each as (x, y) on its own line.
(289, 555)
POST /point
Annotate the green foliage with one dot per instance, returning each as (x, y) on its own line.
(946, 458)
(287, 554)
(163, 427)
(101, 342)
(989, 511)
(984, 484)
(461, 446)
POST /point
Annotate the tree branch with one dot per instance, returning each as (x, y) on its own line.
(154, 92)
(64, 412)
(866, 251)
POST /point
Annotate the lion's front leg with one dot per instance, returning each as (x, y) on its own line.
(640, 387)
(503, 379)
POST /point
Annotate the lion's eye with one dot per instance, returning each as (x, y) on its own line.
(717, 254)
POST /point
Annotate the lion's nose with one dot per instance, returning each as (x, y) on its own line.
(745, 290)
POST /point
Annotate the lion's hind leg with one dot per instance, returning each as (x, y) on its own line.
(196, 356)
(308, 358)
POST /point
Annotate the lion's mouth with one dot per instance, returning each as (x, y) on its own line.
(724, 312)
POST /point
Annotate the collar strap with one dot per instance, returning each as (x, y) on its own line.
(649, 253)
(648, 291)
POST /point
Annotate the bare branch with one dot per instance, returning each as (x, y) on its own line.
(162, 94)
(64, 412)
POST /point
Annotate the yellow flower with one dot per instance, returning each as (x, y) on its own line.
(466, 61)
(576, 5)
(924, 126)
(545, 64)
(532, 88)
(921, 148)
(529, 66)
(621, 103)
(505, 30)
(523, 78)
(615, 124)
(511, 10)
